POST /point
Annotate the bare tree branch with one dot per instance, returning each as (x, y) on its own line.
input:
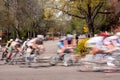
(105, 12)
(66, 12)
(96, 9)
(82, 10)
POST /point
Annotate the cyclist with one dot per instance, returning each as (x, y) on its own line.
(113, 47)
(35, 44)
(61, 47)
(6, 48)
(115, 39)
(15, 45)
(24, 46)
(96, 46)
(66, 44)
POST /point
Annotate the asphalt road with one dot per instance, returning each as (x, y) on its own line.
(43, 71)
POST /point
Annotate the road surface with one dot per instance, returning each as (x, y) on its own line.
(43, 71)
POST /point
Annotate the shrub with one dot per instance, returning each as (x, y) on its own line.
(81, 49)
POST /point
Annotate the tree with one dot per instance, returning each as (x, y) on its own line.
(82, 9)
(26, 16)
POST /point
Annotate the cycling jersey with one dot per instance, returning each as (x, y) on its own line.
(30, 42)
(112, 40)
(95, 41)
(60, 44)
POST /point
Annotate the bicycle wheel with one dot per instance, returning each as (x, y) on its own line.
(54, 60)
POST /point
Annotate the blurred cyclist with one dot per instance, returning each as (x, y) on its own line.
(96, 43)
(35, 44)
(115, 39)
(15, 46)
(6, 48)
(96, 46)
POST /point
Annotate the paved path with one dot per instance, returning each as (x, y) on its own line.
(10, 72)
(42, 71)
(51, 47)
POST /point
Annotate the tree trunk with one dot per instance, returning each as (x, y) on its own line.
(90, 21)
(17, 28)
(91, 28)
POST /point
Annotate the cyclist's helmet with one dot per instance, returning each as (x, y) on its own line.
(40, 36)
(11, 40)
(69, 38)
(104, 34)
(16, 39)
(62, 39)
